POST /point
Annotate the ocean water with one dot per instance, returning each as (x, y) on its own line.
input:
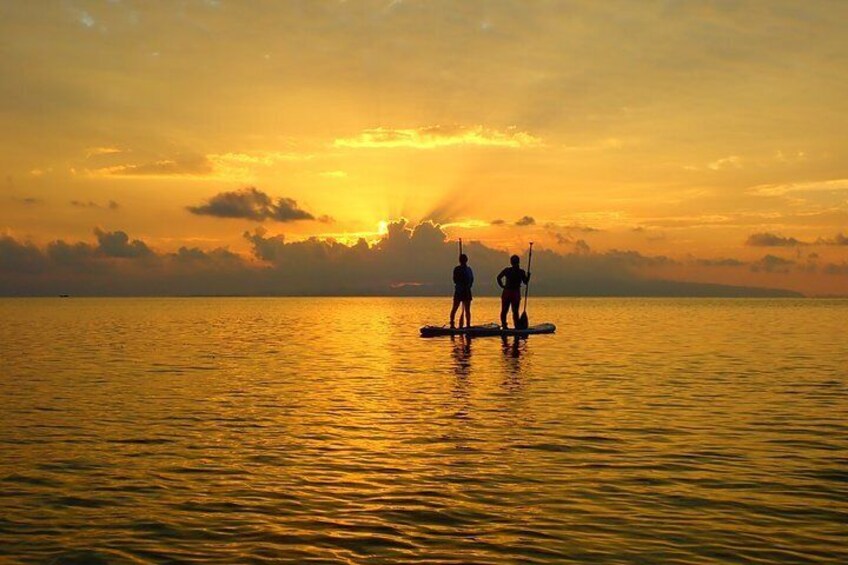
(293, 430)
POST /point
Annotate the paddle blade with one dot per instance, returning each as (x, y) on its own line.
(523, 322)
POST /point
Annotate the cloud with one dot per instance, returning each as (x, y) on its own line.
(575, 228)
(563, 239)
(772, 264)
(839, 240)
(498, 222)
(526, 221)
(432, 137)
(29, 200)
(236, 165)
(231, 165)
(116, 265)
(264, 158)
(839, 185)
(95, 151)
(790, 157)
(730, 162)
(771, 240)
(581, 228)
(18, 257)
(86, 19)
(118, 244)
(111, 205)
(182, 165)
(581, 247)
(252, 204)
(728, 262)
(836, 268)
(194, 255)
(333, 174)
(408, 260)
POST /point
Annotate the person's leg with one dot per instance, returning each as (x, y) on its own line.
(467, 306)
(453, 311)
(516, 303)
(504, 309)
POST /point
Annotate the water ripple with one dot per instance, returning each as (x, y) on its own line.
(140, 431)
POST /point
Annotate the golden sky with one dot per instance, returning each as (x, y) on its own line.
(711, 133)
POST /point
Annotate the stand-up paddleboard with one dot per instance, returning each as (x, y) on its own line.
(486, 330)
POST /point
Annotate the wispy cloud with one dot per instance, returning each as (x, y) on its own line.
(231, 165)
(264, 158)
(812, 186)
(95, 151)
(333, 174)
(433, 137)
(182, 165)
(86, 19)
(730, 162)
(574, 227)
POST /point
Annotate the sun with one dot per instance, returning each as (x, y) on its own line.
(383, 227)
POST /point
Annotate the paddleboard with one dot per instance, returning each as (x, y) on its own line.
(486, 330)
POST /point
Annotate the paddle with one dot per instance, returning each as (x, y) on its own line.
(523, 322)
(462, 313)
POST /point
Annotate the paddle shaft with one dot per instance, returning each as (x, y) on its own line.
(527, 287)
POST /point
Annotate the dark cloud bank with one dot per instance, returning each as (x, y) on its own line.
(251, 204)
(773, 240)
(407, 261)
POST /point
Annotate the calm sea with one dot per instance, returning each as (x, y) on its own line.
(281, 430)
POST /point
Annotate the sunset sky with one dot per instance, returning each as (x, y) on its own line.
(710, 138)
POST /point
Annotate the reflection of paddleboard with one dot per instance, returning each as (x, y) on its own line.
(486, 330)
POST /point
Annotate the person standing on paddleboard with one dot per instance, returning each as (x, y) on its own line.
(463, 280)
(510, 280)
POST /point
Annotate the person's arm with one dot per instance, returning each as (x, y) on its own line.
(456, 275)
(526, 277)
(470, 277)
(501, 276)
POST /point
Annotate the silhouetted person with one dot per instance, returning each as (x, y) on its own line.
(463, 280)
(510, 280)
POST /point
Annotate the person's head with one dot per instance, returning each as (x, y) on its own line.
(514, 260)
(463, 259)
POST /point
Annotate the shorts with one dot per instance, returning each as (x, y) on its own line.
(462, 295)
(511, 297)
